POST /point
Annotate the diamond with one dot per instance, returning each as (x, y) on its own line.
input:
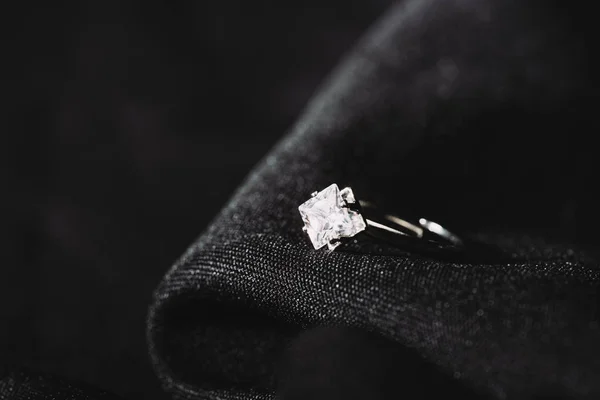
(327, 218)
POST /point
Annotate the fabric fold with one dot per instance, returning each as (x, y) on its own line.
(442, 110)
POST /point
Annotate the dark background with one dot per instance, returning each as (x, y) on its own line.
(112, 108)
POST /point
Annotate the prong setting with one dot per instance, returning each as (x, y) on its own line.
(332, 245)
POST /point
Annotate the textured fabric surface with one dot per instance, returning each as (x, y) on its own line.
(22, 384)
(325, 363)
(475, 114)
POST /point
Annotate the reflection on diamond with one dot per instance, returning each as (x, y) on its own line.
(326, 217)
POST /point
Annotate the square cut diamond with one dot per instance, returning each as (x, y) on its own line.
(327, 218)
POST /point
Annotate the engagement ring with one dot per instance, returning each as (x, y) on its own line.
(332, 215)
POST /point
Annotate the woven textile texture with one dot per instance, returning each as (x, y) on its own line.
(474, 113)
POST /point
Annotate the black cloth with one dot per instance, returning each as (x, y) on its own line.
(109, 108)
(24, 384)
(479, 114)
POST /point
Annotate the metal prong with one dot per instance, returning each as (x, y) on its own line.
(313, 194)
(332, 245)
(347, 195)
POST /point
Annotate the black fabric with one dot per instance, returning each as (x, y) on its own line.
(476, 114)
(110, 107)
(24, 384)
(344, 363)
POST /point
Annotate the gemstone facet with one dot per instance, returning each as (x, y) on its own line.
(327, 217)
